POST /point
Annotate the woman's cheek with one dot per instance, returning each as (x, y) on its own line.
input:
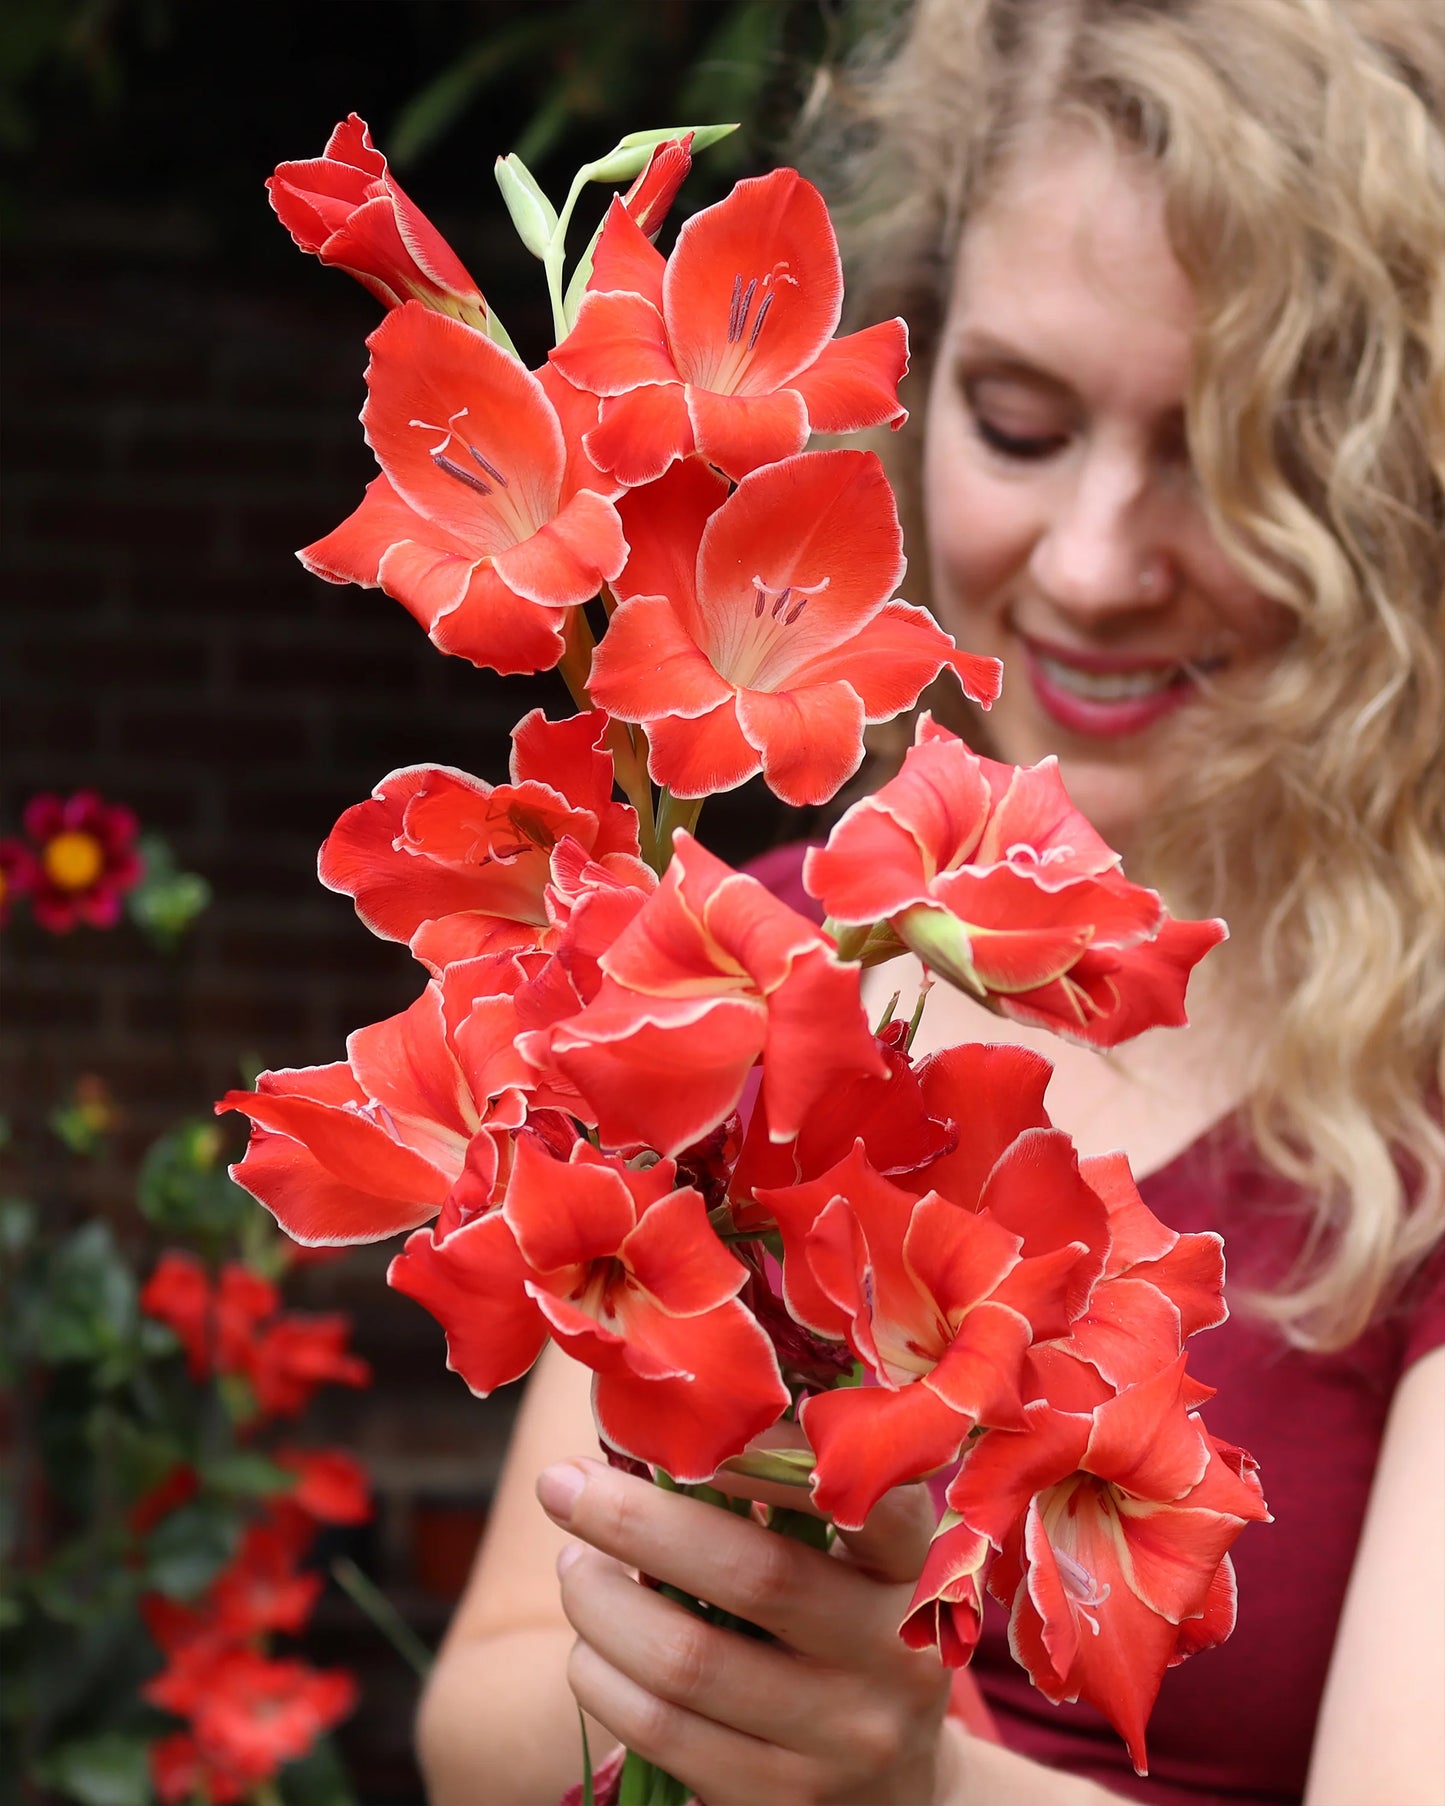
(981, 534)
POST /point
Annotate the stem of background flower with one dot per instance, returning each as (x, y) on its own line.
(674, 812)
(556, 251)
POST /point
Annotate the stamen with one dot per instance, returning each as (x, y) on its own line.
(795, 610)
(762, 599)
(490, 469)
(782, 601)
(462, 476)
(734, 324)
(743, 307)
(758, 323)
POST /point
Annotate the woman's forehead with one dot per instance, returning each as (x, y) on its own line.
(1067, 266)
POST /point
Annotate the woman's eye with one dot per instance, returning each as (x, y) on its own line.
(1029, 447)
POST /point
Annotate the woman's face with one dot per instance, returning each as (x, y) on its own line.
(1066, 531)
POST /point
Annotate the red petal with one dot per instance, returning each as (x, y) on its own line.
(641, 433)
(566, 1213)
(647, 665)
(870, 1439)
(823, 525)
(701, 755)
(619, 343)
(473, 1284)
(675, 1257)
(440, 387)
(570, 558)
(892, 658)
(741, 433)
(352, 552)
(689, 1427)
(810, 741)
(492, 626)
(817, 1037)
(664, 525)
(624, 257)
(854, 381)
(998, 1091)
(773, 230)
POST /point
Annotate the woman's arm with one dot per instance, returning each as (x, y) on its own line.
(1381, 1733)
(498, 1721)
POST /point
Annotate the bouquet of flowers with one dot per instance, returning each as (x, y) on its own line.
(638, 1108)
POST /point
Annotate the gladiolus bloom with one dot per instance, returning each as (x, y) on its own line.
(488, 522)
(710, 973)
(459, 867)
(1113, 1530)
(726, 348)
(620, 1266)
(990, 875)
(757, 633)
(346, 208)
(372, 1145)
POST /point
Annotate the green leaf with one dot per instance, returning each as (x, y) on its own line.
(111, 1769)
(87, 1583)
(167, 900)
(87, 1309)
(182, 1188)
(441, 103)
(532, 213)
(189, 1548)
(245, 1475)
(319, 1778)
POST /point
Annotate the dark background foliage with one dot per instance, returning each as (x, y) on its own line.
(180, 390)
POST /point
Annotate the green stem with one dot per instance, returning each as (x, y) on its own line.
(575, 664)
(556, 251)
(383, 1614)
(674, 812)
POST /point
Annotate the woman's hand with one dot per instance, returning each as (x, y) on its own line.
(833, 1711)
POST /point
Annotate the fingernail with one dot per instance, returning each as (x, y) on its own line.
(559, 1489)
(565, 1559)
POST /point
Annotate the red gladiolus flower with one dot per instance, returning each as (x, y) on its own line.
(259, 1714)
(178, 1488)
(372, 1145)
(946, 1610)
(757, 634)
(1113, 1530)
(459, 867)
(621, 1267)
(346, 208)
(298, 1355)
(710, 973)
(332, 1487)
(933, 1298)
(17, 875)
(649, 200)
(726, 347)
(990, 875)
(182, 1773)
(261, 1588)
(488, 522)
(85, 860)
(215, 1324)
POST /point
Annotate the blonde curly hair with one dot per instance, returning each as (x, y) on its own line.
(1299, 145)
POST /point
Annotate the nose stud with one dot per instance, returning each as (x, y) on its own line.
(1151, 580)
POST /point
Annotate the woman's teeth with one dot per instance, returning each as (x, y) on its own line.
(1108, 686)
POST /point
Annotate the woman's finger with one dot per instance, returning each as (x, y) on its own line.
(893, 1544)
(759, 1689)
(798, 1594)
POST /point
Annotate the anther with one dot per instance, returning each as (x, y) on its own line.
(758, 323)
(490, 469)
(734, 323)
(463, 476)
(782, 601)
(795, 610)
(762, 600)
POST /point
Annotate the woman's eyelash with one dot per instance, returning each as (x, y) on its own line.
(1029, 446)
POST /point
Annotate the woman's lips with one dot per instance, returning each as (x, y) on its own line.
(1104, 696)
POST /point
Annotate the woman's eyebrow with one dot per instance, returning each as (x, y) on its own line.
(995, 356)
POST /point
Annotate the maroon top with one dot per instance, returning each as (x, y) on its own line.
(1235, 1724)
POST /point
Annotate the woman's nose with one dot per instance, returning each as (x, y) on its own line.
(1100, 553)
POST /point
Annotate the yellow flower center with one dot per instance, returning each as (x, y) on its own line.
(73, 861)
